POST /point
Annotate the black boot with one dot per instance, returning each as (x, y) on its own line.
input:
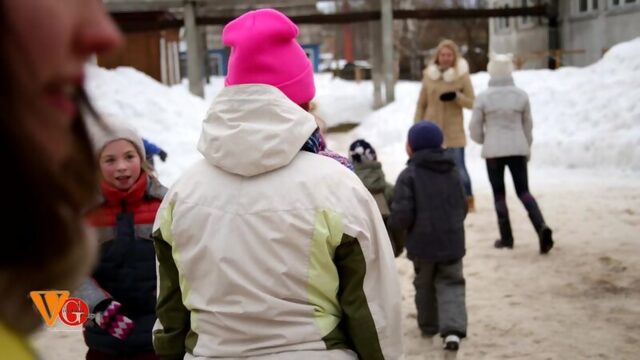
(545, 239)
(537, 220)
(506, 238)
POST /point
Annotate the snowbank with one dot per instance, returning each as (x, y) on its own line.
(583, 117)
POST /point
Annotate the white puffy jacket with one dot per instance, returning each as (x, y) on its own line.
(501, 120)
(268, 252)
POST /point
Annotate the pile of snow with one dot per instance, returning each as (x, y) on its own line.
(341, 101)
(170, 117)
(583, 117)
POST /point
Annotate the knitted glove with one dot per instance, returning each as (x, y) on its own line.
(116, 324)
(163, 155)
(448, 96)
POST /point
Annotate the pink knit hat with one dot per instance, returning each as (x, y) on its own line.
(264, 50)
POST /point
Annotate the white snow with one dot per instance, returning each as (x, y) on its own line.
(583, 117)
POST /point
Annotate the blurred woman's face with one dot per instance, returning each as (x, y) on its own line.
(446, 57)
(49, 43)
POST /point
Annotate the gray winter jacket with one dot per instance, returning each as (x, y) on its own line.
(501, 120)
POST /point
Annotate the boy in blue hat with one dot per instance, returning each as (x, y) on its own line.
(429, 208)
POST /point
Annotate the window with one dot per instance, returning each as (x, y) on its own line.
(525, 19)
(528, 21)
(507, 19)
(619, 3)
(585, 6)
(502, 23)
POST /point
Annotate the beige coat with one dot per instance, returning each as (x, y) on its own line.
(448, 115)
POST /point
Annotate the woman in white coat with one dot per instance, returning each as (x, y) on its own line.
(502, 123)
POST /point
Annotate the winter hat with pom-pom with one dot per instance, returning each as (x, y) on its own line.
(361, 151)
(264, 50)
(500, 65)
(425, 135)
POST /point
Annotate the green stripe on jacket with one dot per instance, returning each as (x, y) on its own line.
(176, 336)
(337, 268)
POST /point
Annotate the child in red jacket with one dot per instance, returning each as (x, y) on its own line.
(122, 293)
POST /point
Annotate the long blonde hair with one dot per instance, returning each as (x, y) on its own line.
(451, 45)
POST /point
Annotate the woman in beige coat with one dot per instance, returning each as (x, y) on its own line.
(446, 89)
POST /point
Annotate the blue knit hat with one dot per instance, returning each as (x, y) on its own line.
(361, 151)
(425, 135)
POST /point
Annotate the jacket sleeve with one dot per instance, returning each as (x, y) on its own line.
(466, 97)
(527, 122)
(476, 125)
(173, 323)
(421, 107)
(91, 293)
(388, 194)
(402, 215)
(368, 289)
(150, 148)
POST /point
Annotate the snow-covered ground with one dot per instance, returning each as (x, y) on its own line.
(580, 302)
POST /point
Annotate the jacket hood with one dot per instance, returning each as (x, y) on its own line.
(433, 159)
(506, 80)
(371, 174)
(253, 129)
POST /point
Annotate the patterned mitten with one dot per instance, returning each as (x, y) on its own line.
(116, 324)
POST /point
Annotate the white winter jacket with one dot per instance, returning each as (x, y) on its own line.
(268, 252)
(501, 120)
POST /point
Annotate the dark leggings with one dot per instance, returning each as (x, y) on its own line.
(518, 167)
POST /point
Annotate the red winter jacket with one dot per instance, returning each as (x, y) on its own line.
(126, 271)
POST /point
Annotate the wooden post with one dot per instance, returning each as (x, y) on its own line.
(376, 63)
(164, 69)
(557, 54)
(387, 49)
(194, 60)
(175, 52)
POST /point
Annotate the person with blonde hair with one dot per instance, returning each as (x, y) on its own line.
(446, 90)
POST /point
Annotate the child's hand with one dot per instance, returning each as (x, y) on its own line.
(113, 322)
